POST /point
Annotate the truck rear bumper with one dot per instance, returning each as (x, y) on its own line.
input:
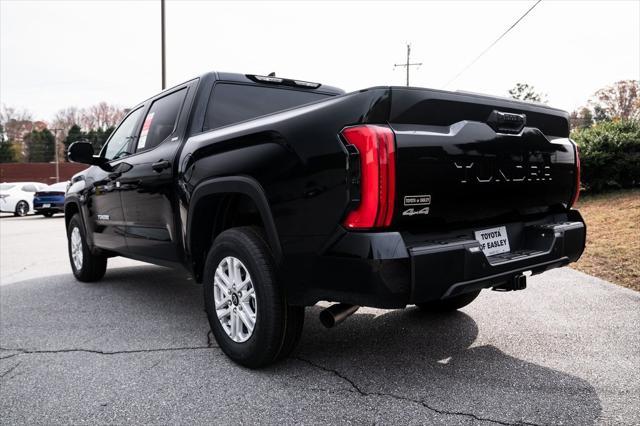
(393, 269)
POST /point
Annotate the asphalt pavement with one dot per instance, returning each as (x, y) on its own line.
(136, 348)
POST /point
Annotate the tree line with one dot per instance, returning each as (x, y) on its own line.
(23, 139)
(607, 132)
(619, 101)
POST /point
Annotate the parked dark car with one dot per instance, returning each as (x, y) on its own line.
(278, 193)
(50, 200)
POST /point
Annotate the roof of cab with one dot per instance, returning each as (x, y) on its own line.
(243, 78)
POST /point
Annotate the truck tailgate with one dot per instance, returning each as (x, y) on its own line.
(470, 158)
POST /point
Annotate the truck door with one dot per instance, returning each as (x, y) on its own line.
(105, 207)
(148, 187)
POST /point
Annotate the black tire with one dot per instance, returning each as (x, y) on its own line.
(47, 214)
(277, 326)
(294, 326)
(450, 304)
(92, 267)
(22, 208)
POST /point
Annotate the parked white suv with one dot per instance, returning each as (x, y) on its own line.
(17, 197)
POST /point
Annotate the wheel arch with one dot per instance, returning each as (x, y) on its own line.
(71, 208)
(213, 208)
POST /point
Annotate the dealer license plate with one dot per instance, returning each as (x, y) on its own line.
(46, 205)
(493, 240)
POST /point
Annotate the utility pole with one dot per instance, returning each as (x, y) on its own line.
(164, 75)
(55, 138)
(408, 64)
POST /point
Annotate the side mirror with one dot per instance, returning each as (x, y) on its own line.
(81, 152)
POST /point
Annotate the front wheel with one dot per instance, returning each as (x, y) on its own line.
(246, 308)
(22, 208)
(85, 265)
(449, 304)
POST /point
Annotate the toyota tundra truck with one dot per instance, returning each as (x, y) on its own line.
(278, 193)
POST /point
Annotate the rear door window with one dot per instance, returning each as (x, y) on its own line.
(160, 121)
(233, 103)
(29, 188)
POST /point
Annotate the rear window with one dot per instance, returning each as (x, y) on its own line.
(233, 103)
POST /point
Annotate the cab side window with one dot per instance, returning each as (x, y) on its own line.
(233, 103)
(118, 145)
(160, 121)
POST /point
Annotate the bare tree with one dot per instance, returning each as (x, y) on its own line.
(65, 118)
(10, 113)
(15, 122)
(620, 100)
(87, 120)
(100, 116)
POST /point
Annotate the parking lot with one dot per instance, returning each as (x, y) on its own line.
(135, 348)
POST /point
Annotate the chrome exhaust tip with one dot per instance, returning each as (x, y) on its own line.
(335, 314)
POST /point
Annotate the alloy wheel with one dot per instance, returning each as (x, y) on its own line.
(22, 208)
(76, 248)
(235, 299)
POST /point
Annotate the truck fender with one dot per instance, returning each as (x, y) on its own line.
(238, 185)
(73, 203)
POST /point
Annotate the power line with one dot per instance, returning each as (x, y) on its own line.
(491, 45)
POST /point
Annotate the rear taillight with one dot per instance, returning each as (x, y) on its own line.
(377, 151)
(576, 193)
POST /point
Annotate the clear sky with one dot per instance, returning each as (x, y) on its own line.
(56, 54)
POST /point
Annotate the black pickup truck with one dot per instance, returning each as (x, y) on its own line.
(278, 193)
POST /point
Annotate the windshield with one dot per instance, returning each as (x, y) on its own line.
(6, 186)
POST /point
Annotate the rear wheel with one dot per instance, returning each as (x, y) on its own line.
(449, 304)
(47, 214)
(247, 309)
(85, 265)
(22, 208)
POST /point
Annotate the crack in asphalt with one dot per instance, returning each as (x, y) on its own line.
(357, 389)
(10, 369)
(210, 345)
(21, 351)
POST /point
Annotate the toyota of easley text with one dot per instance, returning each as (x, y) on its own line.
(277, 193)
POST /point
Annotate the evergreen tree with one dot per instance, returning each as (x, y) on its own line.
(7, 153)
(75, 134)
(40, 146)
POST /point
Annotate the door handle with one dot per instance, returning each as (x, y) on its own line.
(161, 165)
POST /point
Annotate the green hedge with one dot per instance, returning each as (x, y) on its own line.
(609, 155)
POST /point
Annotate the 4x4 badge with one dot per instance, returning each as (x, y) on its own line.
(412, 212)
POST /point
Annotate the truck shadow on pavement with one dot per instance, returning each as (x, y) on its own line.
(426, 364)
(428, 359)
